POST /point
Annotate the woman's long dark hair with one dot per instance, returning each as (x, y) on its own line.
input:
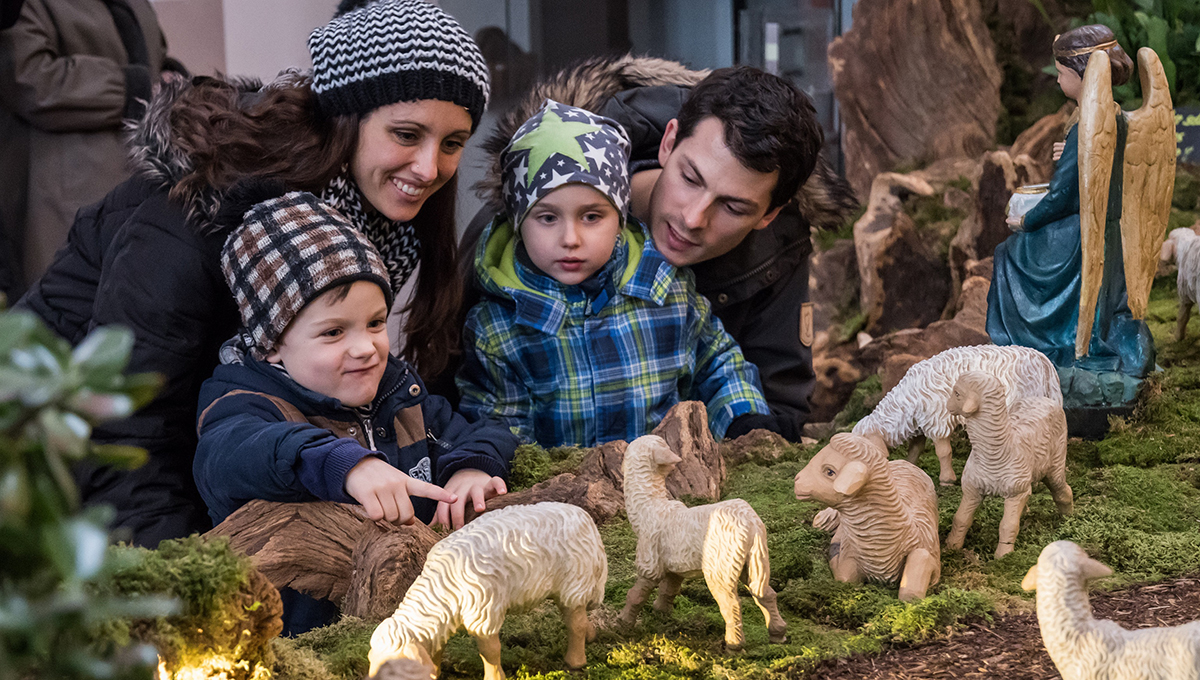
(279, 133)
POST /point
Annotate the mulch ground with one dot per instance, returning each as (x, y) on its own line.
(1011, 646)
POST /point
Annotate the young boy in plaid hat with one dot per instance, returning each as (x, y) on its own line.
(315, 408)
(585, 333)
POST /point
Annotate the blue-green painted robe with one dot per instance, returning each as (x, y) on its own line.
(1036, 279)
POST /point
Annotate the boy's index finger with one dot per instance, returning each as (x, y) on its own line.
(426, 490)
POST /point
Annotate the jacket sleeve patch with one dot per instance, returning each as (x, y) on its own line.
(806, 324)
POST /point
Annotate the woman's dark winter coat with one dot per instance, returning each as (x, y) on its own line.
(144, 261)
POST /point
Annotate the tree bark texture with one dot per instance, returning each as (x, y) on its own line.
(916, 81)
(331, 552)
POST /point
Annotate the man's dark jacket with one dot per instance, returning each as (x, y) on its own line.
(759, 290)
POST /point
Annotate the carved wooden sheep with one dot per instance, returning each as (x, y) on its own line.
(883, 514)
(1084, 648)
(916, 407)
(1183, 246)
(406, 669)
(726, 542)
(506, 559)
(1011, 450)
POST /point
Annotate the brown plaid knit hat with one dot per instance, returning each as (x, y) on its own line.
(287, 252)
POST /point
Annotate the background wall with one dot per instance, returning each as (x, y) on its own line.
(241, 37)
(195, 31)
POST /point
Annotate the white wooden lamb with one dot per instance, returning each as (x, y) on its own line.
(883, 514)
(916, 407)
(506, 559)
(1084, 648)
(726, 542)
(1011, 450)
(1183, 246)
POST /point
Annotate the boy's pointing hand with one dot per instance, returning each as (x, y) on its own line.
(383, 491)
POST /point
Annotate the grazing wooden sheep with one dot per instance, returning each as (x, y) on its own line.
(726, 542)
(508, 558)
(1183, 246)
(1084, 648)
(406, 669)
(1011, 450)
(883, 514)
(916, 407)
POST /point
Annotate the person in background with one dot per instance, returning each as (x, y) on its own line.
(73, 71)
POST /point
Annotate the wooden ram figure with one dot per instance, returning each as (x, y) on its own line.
(883, 514)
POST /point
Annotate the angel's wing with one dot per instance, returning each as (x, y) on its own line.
(1097, 144)
(1149, 181)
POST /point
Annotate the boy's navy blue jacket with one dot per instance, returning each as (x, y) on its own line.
(264, 436)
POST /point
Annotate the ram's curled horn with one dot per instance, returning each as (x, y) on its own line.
(1149, 181)
(1097, 146)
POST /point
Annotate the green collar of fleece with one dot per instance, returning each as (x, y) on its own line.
(498, 258)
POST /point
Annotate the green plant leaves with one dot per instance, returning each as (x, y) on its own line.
(103, 355)
(1169, 27)
(51, 553)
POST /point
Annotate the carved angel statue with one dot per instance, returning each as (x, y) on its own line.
(1074, 279)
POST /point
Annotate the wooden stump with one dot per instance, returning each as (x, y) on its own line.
(330, 551)
(386, 561)
(597, 485)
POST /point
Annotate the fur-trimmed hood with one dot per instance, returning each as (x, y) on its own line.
(156, 154)
(825, 200)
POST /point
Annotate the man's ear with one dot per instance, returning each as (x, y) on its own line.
(667, 145)
(273, 356)
(768, 218)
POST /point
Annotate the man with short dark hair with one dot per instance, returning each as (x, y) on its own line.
(719, 168)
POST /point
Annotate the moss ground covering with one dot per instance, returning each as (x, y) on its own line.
(1137, 509)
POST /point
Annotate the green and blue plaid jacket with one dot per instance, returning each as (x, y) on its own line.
(540, 359)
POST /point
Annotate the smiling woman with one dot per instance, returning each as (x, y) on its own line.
(374, 131)
(406, 152)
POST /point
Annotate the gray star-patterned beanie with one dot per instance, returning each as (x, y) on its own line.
(380, 52)
(288, 251)
(561, 145)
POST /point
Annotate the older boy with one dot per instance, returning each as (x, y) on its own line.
(714, 165)
(585, 333)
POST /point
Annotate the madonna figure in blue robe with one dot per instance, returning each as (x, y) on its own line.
(1036, 275)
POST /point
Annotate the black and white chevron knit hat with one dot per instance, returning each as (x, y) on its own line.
(380, 52)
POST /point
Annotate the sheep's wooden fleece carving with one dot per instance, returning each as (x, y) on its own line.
(1011, 450)
(1085, 648)
(508, 558)
(883, 515)
(1183, 247)
(916, 407)
(720, 541)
